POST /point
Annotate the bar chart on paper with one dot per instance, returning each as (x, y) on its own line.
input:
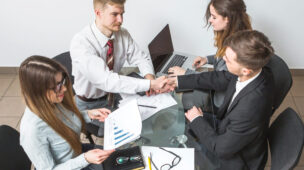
(121, 135)
(122, 126)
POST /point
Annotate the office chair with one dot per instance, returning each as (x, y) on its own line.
(12, 155)
(286, 138)
(66, 61)
(282, 79)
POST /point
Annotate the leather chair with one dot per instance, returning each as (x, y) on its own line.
(282, 79)
(286, 138)
(12, 155)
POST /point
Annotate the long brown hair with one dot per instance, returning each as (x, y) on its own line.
(238, 19)
(37, 76)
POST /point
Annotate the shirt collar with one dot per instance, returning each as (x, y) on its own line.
(101, 38)
(244, 83)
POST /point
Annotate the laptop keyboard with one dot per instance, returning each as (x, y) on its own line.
(178, 60)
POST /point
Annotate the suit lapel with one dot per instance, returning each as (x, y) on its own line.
(229, 93)
(251, 86)
(224, 110)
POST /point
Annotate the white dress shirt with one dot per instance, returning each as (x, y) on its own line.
(240, 85)
(92, 76)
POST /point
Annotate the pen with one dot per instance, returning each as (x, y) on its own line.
(147, 106)
(149, 162)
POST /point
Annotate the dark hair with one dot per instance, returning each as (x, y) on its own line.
(253, 49)
(238, 19)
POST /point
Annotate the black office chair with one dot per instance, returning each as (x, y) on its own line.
(286, 138)
(66, 61)
(12, 155)
(282, 79)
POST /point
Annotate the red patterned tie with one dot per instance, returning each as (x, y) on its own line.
(110, 57)
(110, 64)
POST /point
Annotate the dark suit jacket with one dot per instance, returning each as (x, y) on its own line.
(239, 140)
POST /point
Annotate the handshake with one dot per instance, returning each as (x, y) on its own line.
(163, 84)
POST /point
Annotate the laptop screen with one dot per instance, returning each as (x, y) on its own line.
(161, 48)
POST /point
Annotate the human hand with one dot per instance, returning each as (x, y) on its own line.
(193, 113)
(151, 91)
(176, 71)
(99, 114)
(97, 156)
(158, 83)
(199, 61)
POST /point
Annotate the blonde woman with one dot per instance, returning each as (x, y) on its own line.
(51, 125)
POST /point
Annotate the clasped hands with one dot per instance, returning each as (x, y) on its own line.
(164, 84)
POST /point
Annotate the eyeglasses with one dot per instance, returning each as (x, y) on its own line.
(168, 166)
(59, 85)
(125, 159)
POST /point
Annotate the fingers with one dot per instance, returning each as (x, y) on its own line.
(174, 71)
(198, 62)
(200, 110)
(105, 110)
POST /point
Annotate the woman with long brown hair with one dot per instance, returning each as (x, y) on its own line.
(51, 125)
(226, 17)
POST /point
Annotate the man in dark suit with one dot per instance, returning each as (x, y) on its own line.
(238, 138)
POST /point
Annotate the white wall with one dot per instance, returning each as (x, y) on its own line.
(46, 27)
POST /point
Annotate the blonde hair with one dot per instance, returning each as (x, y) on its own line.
(102, 3)
(37, 76)
(238, 20)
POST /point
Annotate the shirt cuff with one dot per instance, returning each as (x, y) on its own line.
(81, 161)
(196, 117)
(85, 116)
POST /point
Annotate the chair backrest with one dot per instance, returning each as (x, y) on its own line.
(286, 138)
(282, 79)
(66, 61)
(12, 155)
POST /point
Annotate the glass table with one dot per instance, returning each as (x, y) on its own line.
(168, 128)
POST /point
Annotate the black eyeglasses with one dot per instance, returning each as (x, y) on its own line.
(168, 166)
(125, 159)
(59, 85)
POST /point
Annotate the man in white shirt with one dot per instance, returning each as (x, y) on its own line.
(98, 53)
(235, 137)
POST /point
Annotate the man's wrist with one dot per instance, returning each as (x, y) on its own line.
(196, 118)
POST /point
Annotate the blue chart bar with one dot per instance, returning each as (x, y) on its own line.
(118, 132)
(120, 135)
(124, 139)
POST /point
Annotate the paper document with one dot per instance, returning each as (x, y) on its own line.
(161, 157)
(122, 126)
(159, 101)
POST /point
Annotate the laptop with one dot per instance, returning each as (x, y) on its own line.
(163, 54)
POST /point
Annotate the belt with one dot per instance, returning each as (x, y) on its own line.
(91, 100)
